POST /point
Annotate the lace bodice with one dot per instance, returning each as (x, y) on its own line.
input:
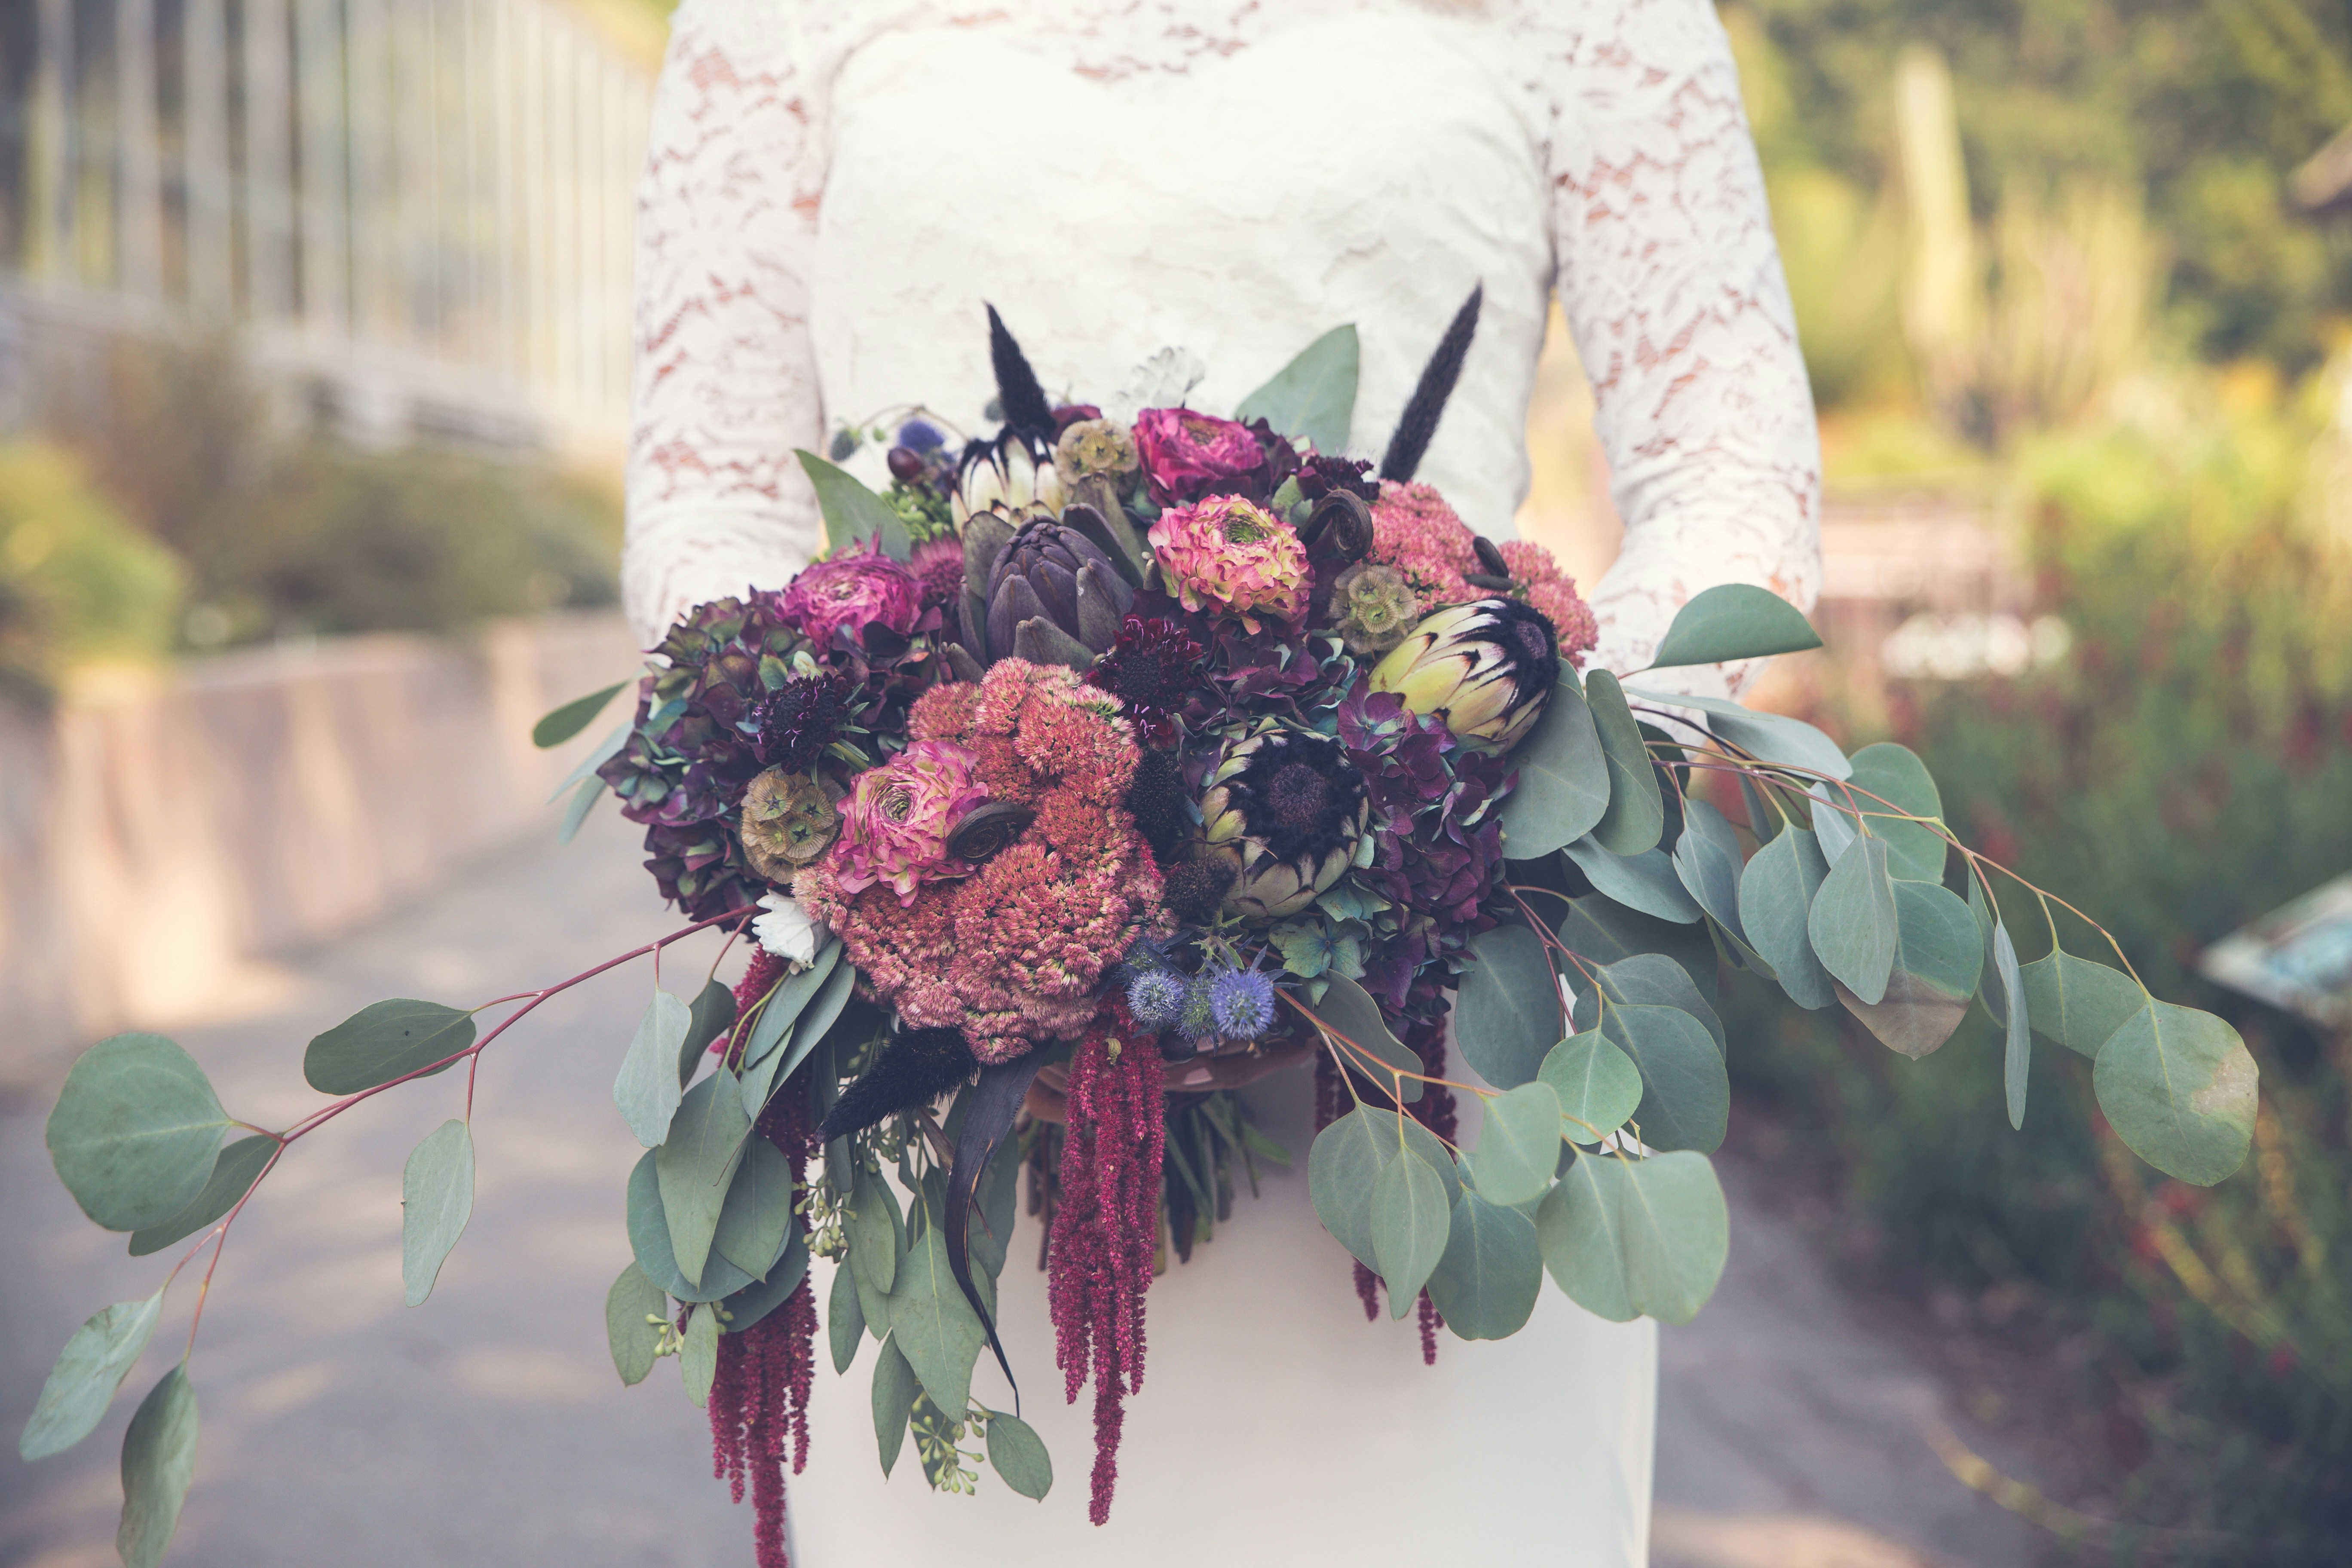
(835, 184)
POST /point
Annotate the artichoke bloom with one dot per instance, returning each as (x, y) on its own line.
(1008, 477)
(1054, 597)
(1288, 812)
(1486, 668)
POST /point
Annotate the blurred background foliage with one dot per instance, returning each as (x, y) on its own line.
(2049, 254)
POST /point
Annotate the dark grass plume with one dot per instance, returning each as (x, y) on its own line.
(913, 1069)
(1417, 425)
(1027, 411)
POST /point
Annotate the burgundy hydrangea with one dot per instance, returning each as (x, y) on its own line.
(1154, 669)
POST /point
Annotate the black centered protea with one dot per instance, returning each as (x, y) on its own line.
(797, 720)
(1300, 796)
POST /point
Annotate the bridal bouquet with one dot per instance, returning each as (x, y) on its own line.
(1106, 761)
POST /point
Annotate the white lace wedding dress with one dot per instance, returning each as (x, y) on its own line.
(837, 185)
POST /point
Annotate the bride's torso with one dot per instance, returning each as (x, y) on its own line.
(1363, 164)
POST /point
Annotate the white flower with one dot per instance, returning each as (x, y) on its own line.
(1164, 381)
(788, 930)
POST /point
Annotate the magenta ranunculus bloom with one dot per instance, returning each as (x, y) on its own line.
(852, 589)
(896, 822)
(1186, 455)
(1229, 556)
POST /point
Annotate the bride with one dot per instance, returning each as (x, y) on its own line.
(834, 188)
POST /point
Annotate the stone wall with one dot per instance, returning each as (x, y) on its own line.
(158, 830)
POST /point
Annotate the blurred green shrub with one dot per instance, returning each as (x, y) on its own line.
(2186, 768)
(78, 582)
(287, 530)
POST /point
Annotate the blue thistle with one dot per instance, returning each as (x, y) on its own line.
(1156, 997)
(1242, 1002)
(1199, 1018)
(920, 434)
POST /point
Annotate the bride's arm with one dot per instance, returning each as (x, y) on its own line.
(724, 382)
(1672, 284)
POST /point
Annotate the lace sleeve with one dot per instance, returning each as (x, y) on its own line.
(1671, 282)
(724, 382)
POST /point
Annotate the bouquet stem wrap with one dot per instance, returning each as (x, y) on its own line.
(1107, 1230)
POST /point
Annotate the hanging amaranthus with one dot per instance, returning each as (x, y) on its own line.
(1106, 1229)
(765, 1371)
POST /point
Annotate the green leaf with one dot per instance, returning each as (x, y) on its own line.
(1707, 859)
(1344, 1164)
(854, 514)
(88, 1372)
(807, 1033)
(650, 1241)
(385, 1041)
(1594, 1081)
(1646, 882)
(135, 1132)
(933, 1324)
(1598, 929)
(1637, 813)
(696, 1163)
(235, 1171)
(1508, 1016)
(1313, 396)
(573, 717)
(1518, 1147)
(1676, 1232)
(1348, 1009)
(1685, 1092)
(632, 1300)
(1939, 956)
(757, 1216)
(1579, 1229)
(1649, 979)
(895, 1387)
(2179, 1087)
(1852, 924)
(648, 1090)
(845, 1319)
(1014, 1450)
(1894, 773)
(756, 1300)
(1768, 737)
(1486, 1285)
(877, 1234)
(1833, 824)
(784, 1007)
(1734, 621)
(437, 1199)
(712, 1015)
(1776, 900)
(159, 1460)
(1992, 985)
(697, 1357)
(598, 755)
(1563, 788)
(576, 812)
(1411, 1216)
(2017, 1057)
(2077, 1003)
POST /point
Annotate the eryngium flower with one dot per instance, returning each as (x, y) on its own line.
(1242, 1002)
(1286, 809)
(1057, 576)
(1094, 446)
(789, 819)
(1197, 1019)
(1228, 556)
(1156, 997)
(854, 589)
(895, 827)
(1372, 607)
(1485, 669)
(1007, 477)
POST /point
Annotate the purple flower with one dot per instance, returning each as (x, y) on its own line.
(1187, 454)
(1242, 1002)
(855, 589)
(1156, 997)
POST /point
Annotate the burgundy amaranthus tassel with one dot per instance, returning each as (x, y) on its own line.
(1106, 1230)
(761, 1395)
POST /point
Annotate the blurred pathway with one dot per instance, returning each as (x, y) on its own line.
(487, 1427)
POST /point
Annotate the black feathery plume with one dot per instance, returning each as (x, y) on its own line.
(1419, 422)
(989, 1107)
(913, 1069)
(1027, 412)
(1155, 798)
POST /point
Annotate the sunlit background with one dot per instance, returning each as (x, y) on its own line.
(313, 360)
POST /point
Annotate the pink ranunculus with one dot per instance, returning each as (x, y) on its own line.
(854, 589)
(896, 822)
(1230, 555)
(1186, 455)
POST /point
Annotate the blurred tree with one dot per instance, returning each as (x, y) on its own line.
(78, 582)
